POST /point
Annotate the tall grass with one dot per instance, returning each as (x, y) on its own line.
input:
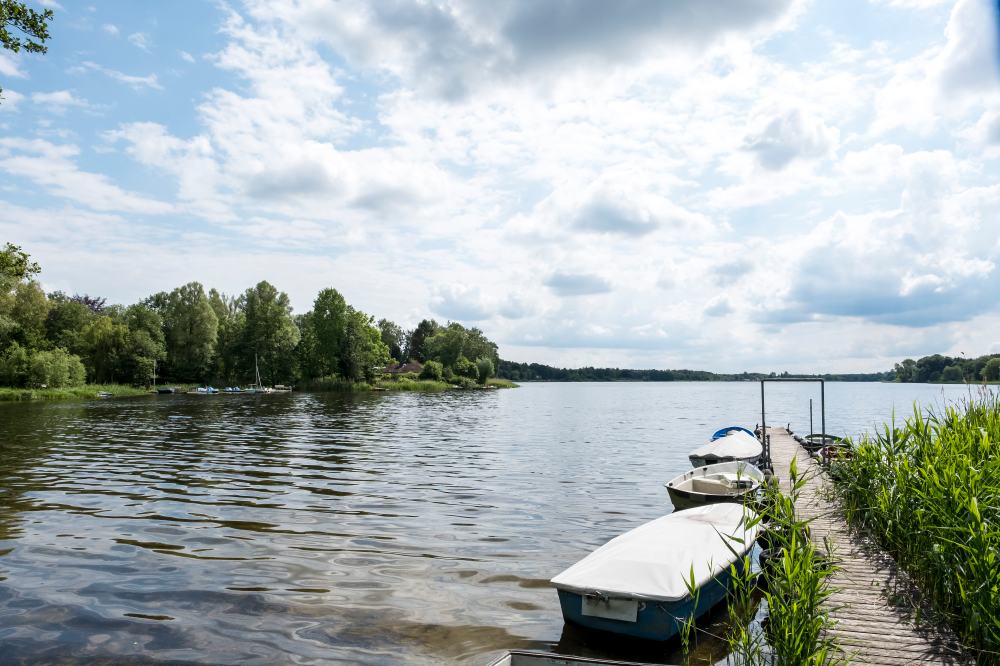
(85, 392)
(929, 490)
(796, 589)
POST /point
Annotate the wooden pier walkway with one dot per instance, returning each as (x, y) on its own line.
(874, 604)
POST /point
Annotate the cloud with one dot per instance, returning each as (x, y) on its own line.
(186, 57)
(719, 307)
(460, 303)
(971, 55)
(140, 40)
(8, 66)
(730, 271)
(52, 167)
(789, 136)
(9, 100)
(111, 29)
(59, 100)
(614, 217)
(134, 82)
(454, 47)
(577, 284)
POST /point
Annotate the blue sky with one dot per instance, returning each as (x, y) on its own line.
(775, 184)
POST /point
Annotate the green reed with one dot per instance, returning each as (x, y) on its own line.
(797, 587)
(929, 490)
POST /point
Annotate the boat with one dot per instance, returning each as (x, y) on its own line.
(736, 446)
(722, 432)
(533, 658)
(204, 390)
(232, 389)
(815, 441)
(166, 390)
(637, 583)
(282, 388)
(722, 482)
(258, 386)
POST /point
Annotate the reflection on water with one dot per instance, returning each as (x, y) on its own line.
(344, 528)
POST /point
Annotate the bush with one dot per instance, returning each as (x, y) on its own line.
(465, 382)
(466, 368)
(485, 368)
(432, 370)
(54, 369)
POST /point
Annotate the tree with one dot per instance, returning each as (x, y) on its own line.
(394, 338)
(191, 329)
(29, 309)
(418, 336)
(991, 371)
(231, 360)
(65, 322)
(485, 367)
(952, 374)
(106, 341)
(465, 368)
(329, 322)
(15, 263)
(270, 333)
(33, 26)
(311, 365)
(145, 344)
(432, 370)
(362, 353)
(446, 345)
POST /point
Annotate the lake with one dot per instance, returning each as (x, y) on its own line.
(348, 528)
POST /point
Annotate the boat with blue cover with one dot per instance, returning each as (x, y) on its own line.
(722, 432)
(637, 583)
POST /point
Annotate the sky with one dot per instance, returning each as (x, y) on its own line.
(758, 185)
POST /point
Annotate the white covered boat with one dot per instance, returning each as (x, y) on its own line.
(533, 658)
(636, 583)
(734, 447)
(722, 482)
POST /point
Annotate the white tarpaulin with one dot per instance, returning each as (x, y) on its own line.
(653, 560)
(736, 444)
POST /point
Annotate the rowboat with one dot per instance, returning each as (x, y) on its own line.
(815, 441)
(733, 447)
(532, 658)
(637, 583)
(722, 482)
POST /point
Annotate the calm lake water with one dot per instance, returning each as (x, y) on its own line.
(328, 528)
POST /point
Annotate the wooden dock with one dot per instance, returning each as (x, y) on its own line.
(874, 605)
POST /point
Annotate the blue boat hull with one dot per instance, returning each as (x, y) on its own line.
(655, 620)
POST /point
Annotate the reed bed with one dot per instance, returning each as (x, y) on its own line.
(795, 587)
(929, 490)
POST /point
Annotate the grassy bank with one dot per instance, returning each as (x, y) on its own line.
(85, 392)
(403, 383)
(929, 490)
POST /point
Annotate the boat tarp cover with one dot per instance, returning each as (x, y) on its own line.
(736, 444)
(653, 560)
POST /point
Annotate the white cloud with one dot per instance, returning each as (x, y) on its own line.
(8, 66)
(140, 40)
(789, 136)
(111, 29)
(52, 167)
(185, 56)
(133, 81)
(9, 100)
(58, 100)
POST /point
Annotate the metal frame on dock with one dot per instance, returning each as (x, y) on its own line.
(765, 441)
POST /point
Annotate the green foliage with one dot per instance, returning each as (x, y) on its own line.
(15, 263)
(418, 336)
(991, 370)
(106, 342)
(937, 368)
(32, 25)
(394, 338)
(40, 369)
(952, 374)
(270, 333)
(231, 364)
(484, 366)
(929, 491)
(191, 329)
(362, 354)
(465, 368)
(432, 370)
(546, 373)
(66, 321)
(329, 321)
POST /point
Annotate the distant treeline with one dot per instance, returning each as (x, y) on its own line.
(948, 369)
(546, 373)
(190, 335)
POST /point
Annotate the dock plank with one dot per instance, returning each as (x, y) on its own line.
(873, 607)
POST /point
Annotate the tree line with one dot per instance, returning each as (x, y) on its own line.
(190, 335)
(546, 373)
(948, 369)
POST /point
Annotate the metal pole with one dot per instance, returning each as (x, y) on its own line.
(763, 420)
(811, 416)
(822, 406)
